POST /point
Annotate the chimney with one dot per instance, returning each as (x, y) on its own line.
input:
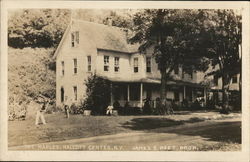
(109, 21)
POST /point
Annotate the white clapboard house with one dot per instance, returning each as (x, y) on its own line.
(88, 47)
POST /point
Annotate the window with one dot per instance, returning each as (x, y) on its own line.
(234, 79)
(116, 67)
(74, 38)
(75, 66)
(62, 94)
(89, 63)
(62, 63)
(148, 64)
(136, 68)
(176, 96)
(190, 73)
(215, 80)
(134, 92)
(106, 63)
(77, 37)
(75, 92)
(176, 70)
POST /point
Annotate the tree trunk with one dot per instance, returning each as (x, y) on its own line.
(225, 94)
(163, 109)
(163, 86)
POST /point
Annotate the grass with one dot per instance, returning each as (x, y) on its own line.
(59, 128)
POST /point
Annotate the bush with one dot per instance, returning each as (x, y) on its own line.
(29, 75)
(76, 109)
(98, 94)
(17, 110)
(52, 108)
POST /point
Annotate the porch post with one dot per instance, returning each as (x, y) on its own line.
(141, 94)
(205, 96)
(111, 94)
(184, 92)
(192, 90)
(128, 94)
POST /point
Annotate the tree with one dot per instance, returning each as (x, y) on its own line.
(37, 28)
(223, 40)
(114, 19)
(174, 36)
(98, 94)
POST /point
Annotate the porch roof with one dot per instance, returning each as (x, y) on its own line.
(155, 81)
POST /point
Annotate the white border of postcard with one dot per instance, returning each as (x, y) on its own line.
(125, 155)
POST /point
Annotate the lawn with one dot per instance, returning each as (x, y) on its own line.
(59, 128)
(77, 126)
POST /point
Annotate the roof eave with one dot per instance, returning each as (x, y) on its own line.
(61, 42)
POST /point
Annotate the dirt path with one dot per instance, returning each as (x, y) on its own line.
(187, 137)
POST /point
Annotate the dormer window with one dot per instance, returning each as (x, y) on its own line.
(136, 65)
(74, 38)
(106, 63)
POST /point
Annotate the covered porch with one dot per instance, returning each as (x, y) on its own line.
(135, 93)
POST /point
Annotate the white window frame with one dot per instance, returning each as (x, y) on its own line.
(75, 40)
(136, 64)
(75, 66)
(63, 68)
(148, 64)
(75, 92)
(106, 63)
(89, 63)
(117, 64)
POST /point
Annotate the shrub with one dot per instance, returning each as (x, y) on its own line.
(98, 94)
(76, 109)
(29, 75)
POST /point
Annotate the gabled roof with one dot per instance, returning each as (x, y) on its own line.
(103, 36)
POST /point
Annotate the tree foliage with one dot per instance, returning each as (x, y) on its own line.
(27, 77)
(192, 39)
(37, 27)
(223, 40)
(174, 36)
(97, 94)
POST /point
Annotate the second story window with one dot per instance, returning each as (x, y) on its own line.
(176, 70)
(89, 63)
(74, 38)
(136, 65)
(62, 63)
(116, 67)
(215, 80)
(75, 66)
(148, 64)
(234, 79)
(106, 63)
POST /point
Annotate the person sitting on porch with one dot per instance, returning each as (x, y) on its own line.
(109, 110)
(117, 105)
(147, 107)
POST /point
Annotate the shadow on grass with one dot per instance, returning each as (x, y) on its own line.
(220, 131)
(150, 123)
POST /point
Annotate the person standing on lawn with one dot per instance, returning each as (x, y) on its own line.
(66, 107)
(43, 103)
